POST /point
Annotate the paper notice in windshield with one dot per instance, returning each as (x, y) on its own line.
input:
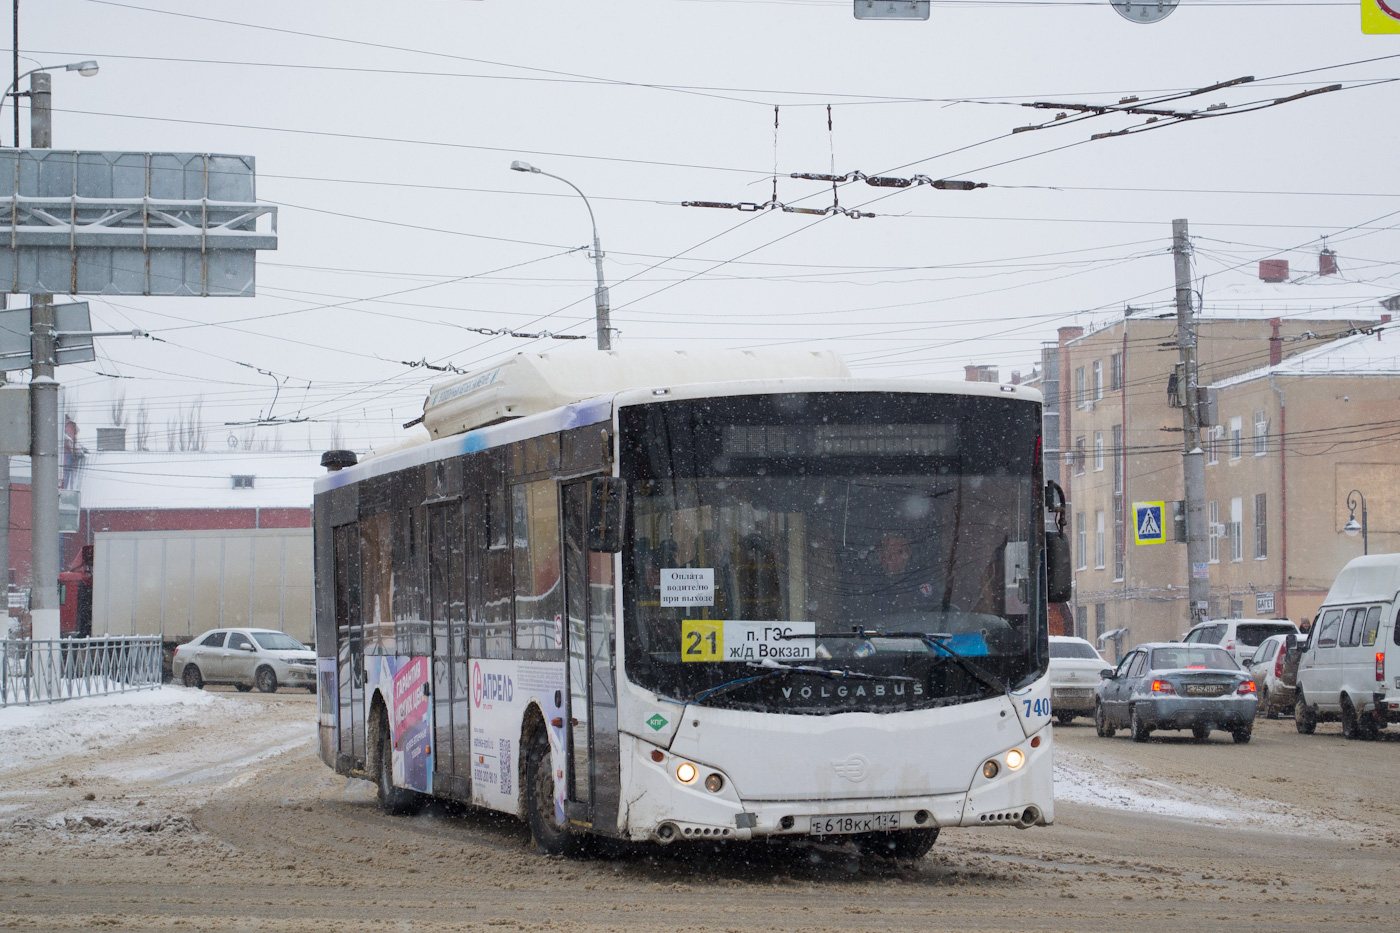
(687, 586)
(725, 640)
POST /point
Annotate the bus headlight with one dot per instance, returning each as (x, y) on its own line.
(686, 773)
(990, 769)
(1015, 758)
(714, 783)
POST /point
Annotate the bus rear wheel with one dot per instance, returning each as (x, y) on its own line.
(549, 835)
(396, 801)
(907, 845)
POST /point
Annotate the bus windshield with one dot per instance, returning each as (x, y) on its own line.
(832, 552)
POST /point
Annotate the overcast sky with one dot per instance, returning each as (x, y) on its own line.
(385, 132)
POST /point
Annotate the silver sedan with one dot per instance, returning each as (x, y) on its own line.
(246, 658)
(1170, 685)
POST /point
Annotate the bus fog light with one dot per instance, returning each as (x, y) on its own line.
(990, 769)
(714, 783)
(1015, 758)
(686, 773)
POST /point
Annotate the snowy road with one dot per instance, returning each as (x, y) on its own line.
(179, 809)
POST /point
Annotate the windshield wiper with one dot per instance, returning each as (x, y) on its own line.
(769, 668)
(937, 642)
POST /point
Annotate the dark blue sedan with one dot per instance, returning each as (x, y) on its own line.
(1170, 685)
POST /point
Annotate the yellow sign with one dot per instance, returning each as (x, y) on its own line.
(1147, 523)
(1380, 16)
(702, 639)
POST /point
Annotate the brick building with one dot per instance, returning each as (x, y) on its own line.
(1116, 422)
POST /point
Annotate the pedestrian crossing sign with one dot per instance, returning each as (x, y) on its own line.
(1147, 523)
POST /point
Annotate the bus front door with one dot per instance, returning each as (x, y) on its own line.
(593, 781)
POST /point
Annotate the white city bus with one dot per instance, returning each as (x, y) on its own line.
(671, 596)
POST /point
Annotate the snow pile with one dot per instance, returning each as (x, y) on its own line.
(1085, 780)
(33, 733)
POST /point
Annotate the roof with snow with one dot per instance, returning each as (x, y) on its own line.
(1376, 353)
(144, 479)
(1240, 294)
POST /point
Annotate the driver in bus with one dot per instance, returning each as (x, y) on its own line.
(904, 585)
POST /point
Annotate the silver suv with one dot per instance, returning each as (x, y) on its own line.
(1240, 637)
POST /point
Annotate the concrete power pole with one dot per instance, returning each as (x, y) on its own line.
(1193, 457)
(43, 406)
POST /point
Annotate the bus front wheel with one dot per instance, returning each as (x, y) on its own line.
(906, 845)
(550, 836)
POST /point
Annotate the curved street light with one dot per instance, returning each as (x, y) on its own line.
(1353, 527)
(600, 294)
(86, 68)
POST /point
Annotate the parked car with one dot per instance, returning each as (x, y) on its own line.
(1240, 637)
(1074, 673)
(1169, 685)
(1274, 676)
(1349, 667)
(245, 658)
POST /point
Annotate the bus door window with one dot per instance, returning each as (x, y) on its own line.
(576, 576)
(349, 657)
(458, 536)
(439, 549)
(490, 625)
(594, 778)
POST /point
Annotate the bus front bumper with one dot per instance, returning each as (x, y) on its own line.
(660, 806)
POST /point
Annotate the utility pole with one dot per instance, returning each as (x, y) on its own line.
(43, 407)
(1193, 457)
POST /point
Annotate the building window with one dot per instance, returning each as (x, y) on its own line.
(1236, 442)
(243, 481)
(1081, 535)
(1098, 380)
(1118, 538)
(1213, 530)
(1116, 452)
(1115, 371)
(1081, 621)
(1098, 540)
(1079, 456)
(1100, 620)
(1237, 609)
(1236, 529)
(1261, 434)
(1079, 397)
(1261, 527)
(1098, 451)
(1213, 444)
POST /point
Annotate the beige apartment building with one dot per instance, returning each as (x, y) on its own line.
(1302, 414)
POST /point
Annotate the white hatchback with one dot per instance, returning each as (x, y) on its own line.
(1074, 673)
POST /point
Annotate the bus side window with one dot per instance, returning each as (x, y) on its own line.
(539, 597)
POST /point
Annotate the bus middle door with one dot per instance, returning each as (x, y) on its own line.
(593, 774)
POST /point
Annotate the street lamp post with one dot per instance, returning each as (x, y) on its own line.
(86, 68)
(1352, 527)
(600, 293)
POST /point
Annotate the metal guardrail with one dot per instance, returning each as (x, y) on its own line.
(47, 671)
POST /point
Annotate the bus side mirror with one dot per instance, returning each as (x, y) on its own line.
(605, 497)
(1059, 575)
